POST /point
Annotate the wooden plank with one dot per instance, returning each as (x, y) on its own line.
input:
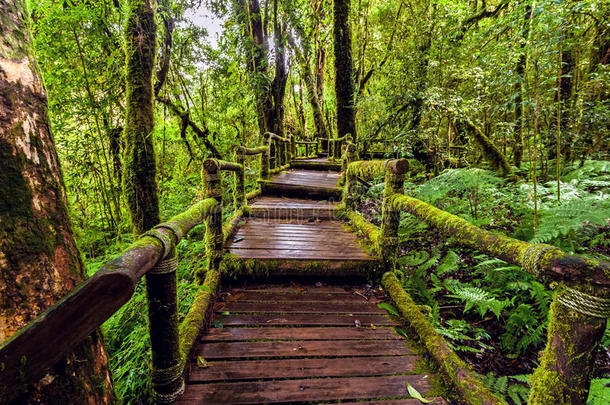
(316, 246)
(296, 296)
(303, 319)
(297, 254)
(305, 307)
(301, 348)
(322, 389)
(302, 368)
(314, 333)
(435, 401)
(299, 288)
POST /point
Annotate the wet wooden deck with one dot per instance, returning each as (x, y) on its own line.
(282, 239)
(295, 345)
(292, 208)
(319, 184)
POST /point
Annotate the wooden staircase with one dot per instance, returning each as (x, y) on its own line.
(293, 344)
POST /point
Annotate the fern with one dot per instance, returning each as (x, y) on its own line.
(413, 258)
(500, 386)
(448, 263)
(570, 217)
(456, 181)
(483, 301)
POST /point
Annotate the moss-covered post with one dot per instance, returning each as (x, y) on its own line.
(576, 327)
(265, 159)
(350, 188)
(349, 155)
(167, 368)
(214, 240)
(293, 148)
(394, 183)
(239, 193)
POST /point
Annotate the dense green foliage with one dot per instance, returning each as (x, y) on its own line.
(527, 74)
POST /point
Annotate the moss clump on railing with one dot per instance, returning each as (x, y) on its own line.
(195, 319)
(469, 387)
(565, 369)
(361, 224)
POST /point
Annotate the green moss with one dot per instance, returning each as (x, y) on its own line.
(235, 267)
(197, 316)
(471, 389)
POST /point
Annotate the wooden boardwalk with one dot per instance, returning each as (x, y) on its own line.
(294, 345)
(273, 344)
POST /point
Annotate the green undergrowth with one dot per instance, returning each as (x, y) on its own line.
(494, 315)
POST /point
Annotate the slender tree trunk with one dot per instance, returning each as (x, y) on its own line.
(344, 79)
(278, 86)
(139, 175)
(312, 93)
(520, 89)
(39, 261)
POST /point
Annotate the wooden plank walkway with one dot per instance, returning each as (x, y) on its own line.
(304, 183)
(292, 208)
(272, 239)
(338, 346)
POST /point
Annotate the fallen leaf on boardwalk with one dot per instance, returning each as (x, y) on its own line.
(388, 307)
(373, 327)
(226, 313)
(232, 298)
(415, 394)
(219, 306)
(357, 323)
(201, 362)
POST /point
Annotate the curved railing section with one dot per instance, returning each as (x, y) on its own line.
(579, 311)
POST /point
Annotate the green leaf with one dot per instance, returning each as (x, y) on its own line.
(206, 288)
(226, 313)
(389, 307)
(415, 394)
(201, 362)
(413, 258)
(218, 324)
(401, 331)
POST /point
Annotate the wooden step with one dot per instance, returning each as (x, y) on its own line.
(293, 357)
(316, 164)
(304, 183)
(298, 209)
(304, 390)
(274, 239)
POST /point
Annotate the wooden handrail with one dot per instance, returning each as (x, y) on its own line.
(25, 357)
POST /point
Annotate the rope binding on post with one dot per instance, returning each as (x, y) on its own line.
(531, 256)
(584, 303)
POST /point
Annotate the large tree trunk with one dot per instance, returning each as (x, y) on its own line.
(39, 261)
(278, 86)
(139, 175)
(344, 80)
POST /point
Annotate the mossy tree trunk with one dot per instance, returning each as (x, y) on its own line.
(344, 80)
(139, 175)
(39, 260)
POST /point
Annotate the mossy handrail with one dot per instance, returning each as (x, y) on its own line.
(307, 144)
(25, 357)
(576, 324)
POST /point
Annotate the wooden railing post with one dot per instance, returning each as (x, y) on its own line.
(214, 238)
(577, 322)
(293, 148)
(239, 194)
(390, 217)
(265, 159)
(350, 189)
(167, 372)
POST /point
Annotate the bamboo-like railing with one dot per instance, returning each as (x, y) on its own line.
(579, 309)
